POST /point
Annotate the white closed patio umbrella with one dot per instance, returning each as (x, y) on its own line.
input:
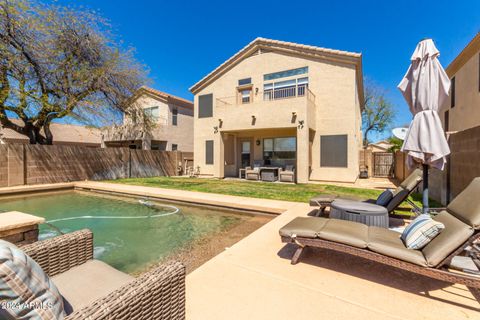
(425, 87)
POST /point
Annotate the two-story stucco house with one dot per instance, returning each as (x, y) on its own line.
(279, 104)
(173, 124)
(462, 110)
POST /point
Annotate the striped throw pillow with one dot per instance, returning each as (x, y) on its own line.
(26, 292)
(421, 231)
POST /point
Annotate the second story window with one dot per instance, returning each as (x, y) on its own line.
(285, 89)
(174, 116)
(285, 74)
(243, 82)
(153, 113)
(244, 90)
(245, 95)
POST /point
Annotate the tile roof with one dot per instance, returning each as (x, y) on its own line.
(269, 43)
(62, 133)
(163, 95)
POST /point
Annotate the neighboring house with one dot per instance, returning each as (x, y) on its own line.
(462, 110)
(380, 146)
(173, 119)
(281, 103)
(63, 134)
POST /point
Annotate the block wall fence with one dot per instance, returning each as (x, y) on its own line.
(38, 164)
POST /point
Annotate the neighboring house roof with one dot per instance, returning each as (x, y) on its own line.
(62, 134)
(287, 47)
(163, 96)
(383, 144)
(467, 53)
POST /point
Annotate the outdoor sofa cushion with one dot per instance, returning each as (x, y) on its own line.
(466, 206)
(88, 282)
(388, 242)
(25, 284)
(421, 231)
(454, 235)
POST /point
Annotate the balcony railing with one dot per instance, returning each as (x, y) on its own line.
(270, 95)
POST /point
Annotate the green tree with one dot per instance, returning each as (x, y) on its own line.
(378, 114)
(57, 62)
(396, 144)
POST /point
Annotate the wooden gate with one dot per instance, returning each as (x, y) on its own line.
(383, 164)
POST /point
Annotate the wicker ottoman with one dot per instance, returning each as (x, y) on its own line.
(358, 211)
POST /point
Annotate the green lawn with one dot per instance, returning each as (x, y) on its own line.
(265, 190)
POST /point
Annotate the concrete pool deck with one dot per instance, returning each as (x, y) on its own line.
(254, 279)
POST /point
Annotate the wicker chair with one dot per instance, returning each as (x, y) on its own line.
(157, 294)
(287, 175)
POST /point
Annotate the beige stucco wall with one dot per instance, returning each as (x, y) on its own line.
(181, 134)
(466, 113)
(335, 110)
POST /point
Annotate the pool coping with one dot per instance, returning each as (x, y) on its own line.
(258, 205)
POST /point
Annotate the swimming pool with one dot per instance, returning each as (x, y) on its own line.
(129, 233)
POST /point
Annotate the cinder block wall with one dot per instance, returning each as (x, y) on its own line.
(38, 164)
(463, 165)
(464, 159)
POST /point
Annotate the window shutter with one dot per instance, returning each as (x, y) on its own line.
(334, 151)
(205, 106)
(209, 152)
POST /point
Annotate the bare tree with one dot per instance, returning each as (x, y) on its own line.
(378, 113)
(57, 62)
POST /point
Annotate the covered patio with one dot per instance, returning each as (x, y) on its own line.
(266, 149)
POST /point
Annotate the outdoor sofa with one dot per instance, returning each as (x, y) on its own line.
(462, 228)
(95, 290)
(400, 194)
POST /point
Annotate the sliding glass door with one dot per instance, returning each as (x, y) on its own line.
(279, 151)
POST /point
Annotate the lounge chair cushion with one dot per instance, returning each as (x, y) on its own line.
(421, 231)
(388, 242)
(82, 285)
(22, 281)
(384, 198)
(346, 232)
(404, 189)
(453, 236)
(412, 181)
(306, 227)
(466, 206)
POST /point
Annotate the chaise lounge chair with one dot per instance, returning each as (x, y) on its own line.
(462, 227)
(93, 290)
(400, 194)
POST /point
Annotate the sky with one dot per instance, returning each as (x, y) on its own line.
(182, 41)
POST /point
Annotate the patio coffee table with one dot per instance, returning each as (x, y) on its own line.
(363, 212)
(269, 173)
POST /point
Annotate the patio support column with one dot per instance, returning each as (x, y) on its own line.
(219, 156)
(302, 167)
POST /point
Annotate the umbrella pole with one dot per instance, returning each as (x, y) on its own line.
(425, 208)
